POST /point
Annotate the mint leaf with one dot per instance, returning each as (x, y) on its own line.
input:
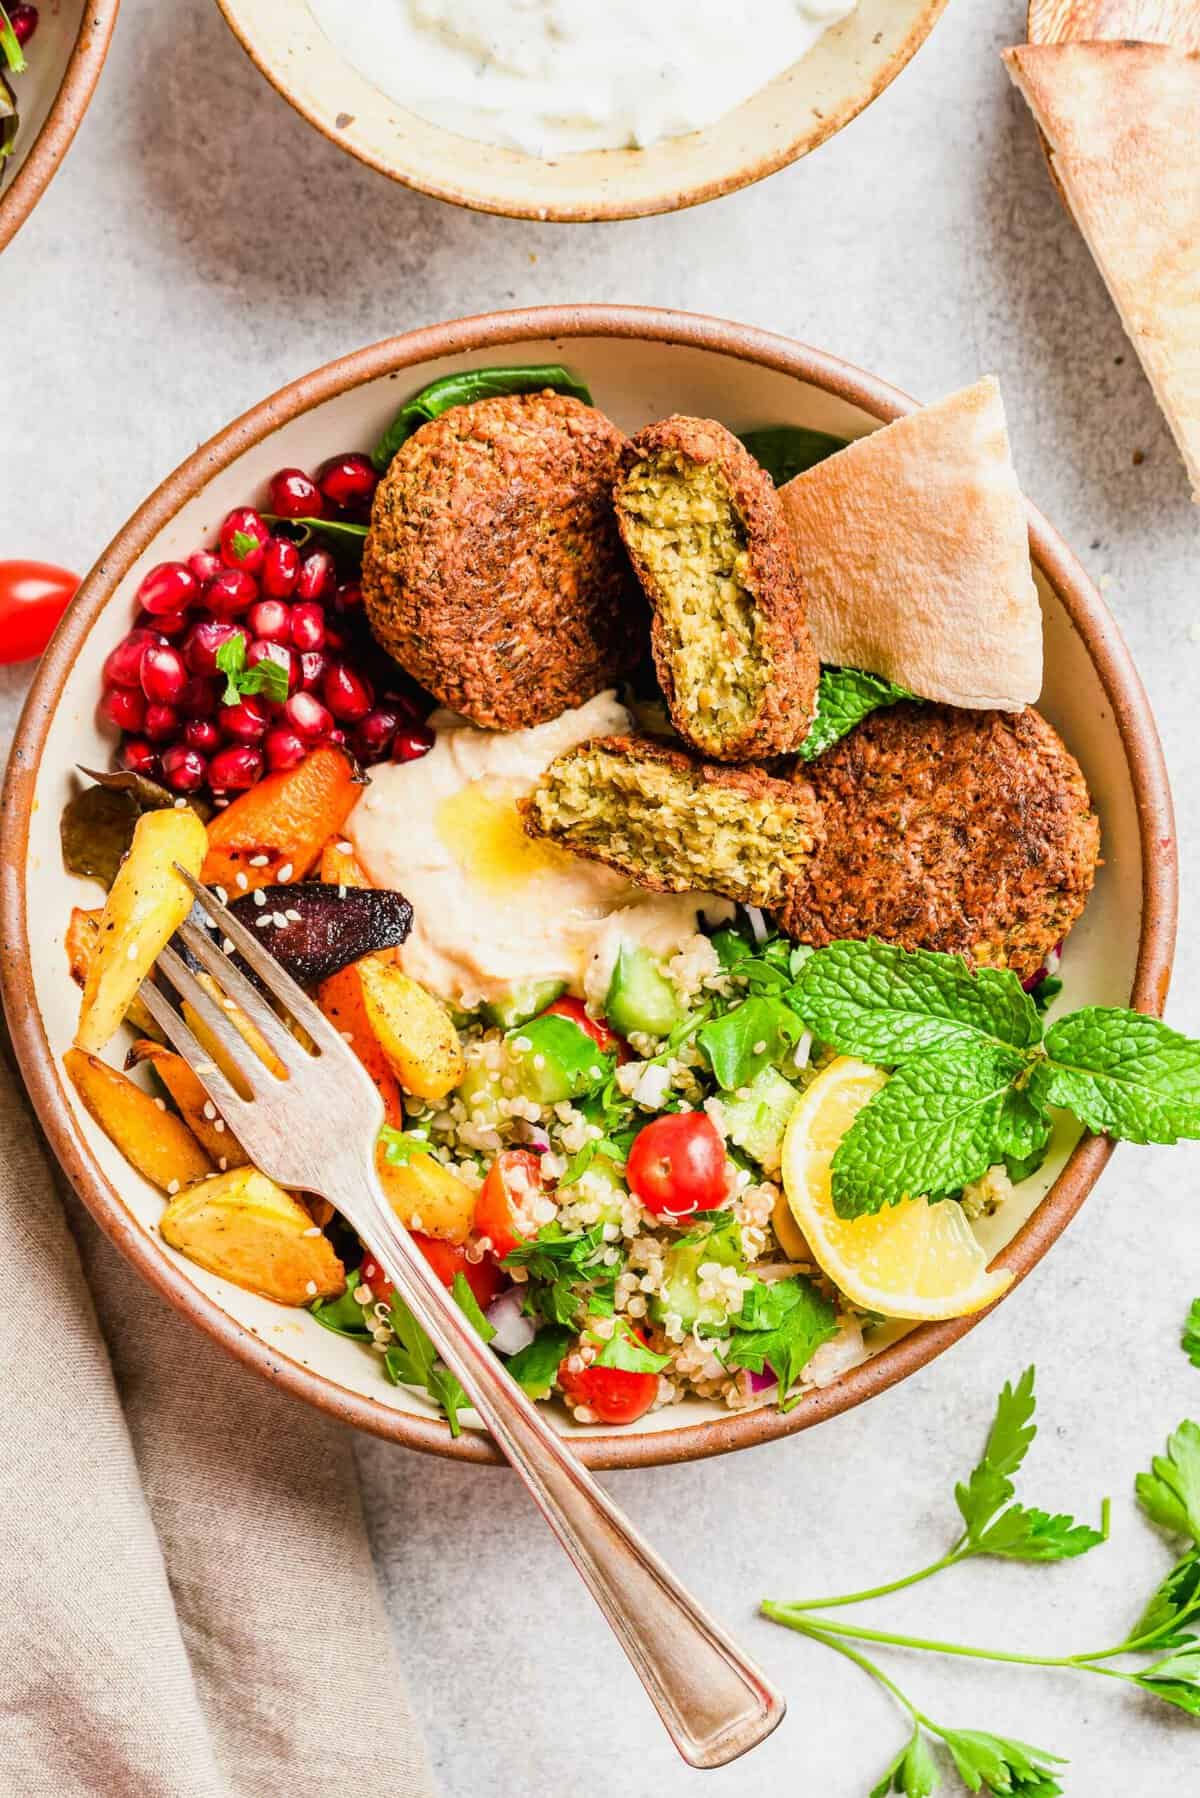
(1013, 1429)
(243, 544)
(1123, 1073)
(887, 1004)
(344, 1315)
(269, 677)
(1002, 1764)
(1022, 1534)
(1190, 1340)
(1175, 1600)
(781, 1325)
(230, 661)
(845, 697)
(536, 1366)
(463, 389)
(788, 450)
(623, 1350)
(929, 1131)
(913, 1773)
(742, 1043)
(1170, 1493)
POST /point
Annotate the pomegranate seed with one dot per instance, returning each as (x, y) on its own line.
(308, 626)
(199, 697)
(231, 592)
(284, 748)
(271, 620)
(168, 624)
(337, 738)
(233, 770)
(164, 673)
(244, 539)
(205, 564)
(348, 481)
(24, 21)
(203, 641)
(247, 721)
(262, 651)
(280, 569)
(312, 669)
(349, 597)
(184, 769)
(334, 639)
(171, 587)
(139, 757)
(318, 575)
(162, 722)
(373, 737)
(308, 717)
(123, 667)
(125, 707)
(347, 694)
(407, 711)
(293, 494)
(411, 745)
(202, 734)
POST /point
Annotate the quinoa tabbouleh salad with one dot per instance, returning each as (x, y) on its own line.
(703, 976)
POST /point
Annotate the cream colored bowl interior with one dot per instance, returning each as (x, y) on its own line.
(850, 65)
(635, 381)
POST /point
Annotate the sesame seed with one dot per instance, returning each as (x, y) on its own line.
(172, 1186)
(181, 805)
(292, 915)
(284, 874)
(218, 1125)
(223, 1163)
(341, 889)
(315, 1231)
(241, 880)
(261, 923)
(132, 951)
(760, 1048)
(347, 1036)
(311, 1289)
(259, 861)
(210, 1110)
(280, 920)
(161, 1103)
(346, 848)
(206, 1067)
(227, 945)
(222, 895)
(260, 898)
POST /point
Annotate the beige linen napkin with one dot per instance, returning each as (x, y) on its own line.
(189, 1607)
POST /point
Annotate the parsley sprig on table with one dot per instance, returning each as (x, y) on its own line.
(1190, 1340)
(974, 1072)
(1169, 1494)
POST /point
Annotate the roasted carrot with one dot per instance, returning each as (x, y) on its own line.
(276, 830)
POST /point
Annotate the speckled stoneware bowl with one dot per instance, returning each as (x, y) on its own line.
(65, 59)
(846, 70)
(640, 365)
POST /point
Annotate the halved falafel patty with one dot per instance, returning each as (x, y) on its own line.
(493, 571)
(706, 532)
(674, 823)
(970, 832)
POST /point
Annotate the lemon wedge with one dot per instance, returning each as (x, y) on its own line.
(911, 1260)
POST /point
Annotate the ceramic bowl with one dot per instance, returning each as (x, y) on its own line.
(641, 365)
(846, 70)
(65, 59)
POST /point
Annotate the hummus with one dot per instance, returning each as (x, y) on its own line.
(492, 907)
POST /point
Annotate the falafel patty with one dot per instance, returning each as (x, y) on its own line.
(706, 532)
(674, 823)
(493, 571)
(970, 832)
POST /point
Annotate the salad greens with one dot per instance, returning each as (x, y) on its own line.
(780, 1327)
(463, 389)
(1190, 1340)
(534, 1368)
(787, 450)
(845, 696)
(1004, 1767)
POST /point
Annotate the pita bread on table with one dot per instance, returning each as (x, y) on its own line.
(914, 549)
(1123, 124)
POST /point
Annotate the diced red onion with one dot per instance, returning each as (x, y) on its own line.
(1033, 981)
(762, 1382)
(537, 1139)
(514, 1331)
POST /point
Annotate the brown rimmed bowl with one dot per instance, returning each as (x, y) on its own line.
(641, 365)
(65, 60)
(850, 66)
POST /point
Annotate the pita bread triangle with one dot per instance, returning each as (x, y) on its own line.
(913, 546)
(1123, 124)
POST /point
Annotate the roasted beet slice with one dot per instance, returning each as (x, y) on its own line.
(314, 930)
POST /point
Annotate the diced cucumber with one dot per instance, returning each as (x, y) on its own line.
(553, 1059)
(681, 1277)
(480, 1091)
(640, 997)
(757, 1118)
(522, 1002)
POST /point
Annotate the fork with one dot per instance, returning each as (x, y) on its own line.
(315, 1130)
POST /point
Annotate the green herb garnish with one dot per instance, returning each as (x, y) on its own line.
(344, 1315)
(268, 676)
(412, 1359)
(342, 528)
(464, 389)
(536, 1366)
(568, 1272)
(788, 450)
(1190, 1340)
(845, 697)
(781, 1325)
(399, 1146)
(625, 1351)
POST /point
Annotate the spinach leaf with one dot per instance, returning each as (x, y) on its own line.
(739, 1045)
(344, 1315)
(464, 389)
(535, 1367)
(787, 450)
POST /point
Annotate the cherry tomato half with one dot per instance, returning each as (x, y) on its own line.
(514, 1177)
(446, 1259)
(606, 1040)
(33, 597)
(677, 1165)
(614, 1395)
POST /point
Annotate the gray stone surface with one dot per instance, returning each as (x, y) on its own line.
(201, 246)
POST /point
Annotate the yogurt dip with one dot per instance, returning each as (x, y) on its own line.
(492, 907)
(552, 76)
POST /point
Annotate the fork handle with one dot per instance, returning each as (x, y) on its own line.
(715, 1703)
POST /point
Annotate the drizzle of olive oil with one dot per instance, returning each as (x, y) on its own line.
(481, 827)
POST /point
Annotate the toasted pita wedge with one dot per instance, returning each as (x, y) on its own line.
(1123, 124)
(914, 551)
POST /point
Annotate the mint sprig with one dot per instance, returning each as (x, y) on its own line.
(973, 1079)
(268, 676)
(845, 696)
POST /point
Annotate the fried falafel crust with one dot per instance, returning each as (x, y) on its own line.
(692, 818)
(493, 571)
(968, 832)
(768, 572)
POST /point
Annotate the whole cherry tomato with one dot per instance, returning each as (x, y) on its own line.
(514, 1177)
(33, 597)
(612, 1394)
(606, 1040)
(446, 1259)
(677, 1165)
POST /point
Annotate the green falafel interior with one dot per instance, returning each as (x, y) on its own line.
(674, 823)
